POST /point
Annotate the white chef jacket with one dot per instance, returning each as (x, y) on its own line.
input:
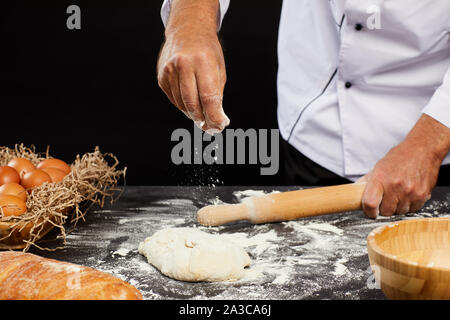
(355, 75)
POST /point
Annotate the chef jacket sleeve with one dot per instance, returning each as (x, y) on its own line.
(223, 7)
(439, 105)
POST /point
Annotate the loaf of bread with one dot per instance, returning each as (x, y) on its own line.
(25, 276)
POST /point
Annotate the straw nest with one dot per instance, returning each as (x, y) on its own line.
(93, 179)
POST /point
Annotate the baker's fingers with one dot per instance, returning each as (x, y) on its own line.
(175, 104)
(164, 84)
(408, 205)
(389, 204)
(168, 82)
(166, 77)
(210, 90)
(416, 206)
(176, 94)
(372, 197)
(190, 97)
(403, 207)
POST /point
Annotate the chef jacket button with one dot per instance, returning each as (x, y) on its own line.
(358, 26)
(348, 84)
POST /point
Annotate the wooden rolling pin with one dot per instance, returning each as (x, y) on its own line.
(285, 206)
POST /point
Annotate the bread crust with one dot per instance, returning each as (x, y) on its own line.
(25, 276)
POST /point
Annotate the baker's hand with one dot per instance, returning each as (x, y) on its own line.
(403, 180)
(191, 67)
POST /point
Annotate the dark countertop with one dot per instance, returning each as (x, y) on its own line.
(312, 258)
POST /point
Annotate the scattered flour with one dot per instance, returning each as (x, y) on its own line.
(121, 252)
(174, 202)
(322, 239)
(339, 268)
(298, 259)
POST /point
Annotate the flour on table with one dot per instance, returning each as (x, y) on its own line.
(321, 240)
(189, 254)
(321, 257)
(339, 268)
(121, 252)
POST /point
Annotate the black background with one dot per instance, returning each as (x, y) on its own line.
(76, 89)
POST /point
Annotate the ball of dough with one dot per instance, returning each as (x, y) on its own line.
(189, 254)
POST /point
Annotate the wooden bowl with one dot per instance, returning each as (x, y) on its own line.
(411, 259)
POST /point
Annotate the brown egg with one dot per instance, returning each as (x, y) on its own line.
(14, 189)
(34, 178)
(8, 174)
(55, 174)
(21, 165)
(54, 163)
(12, 206)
